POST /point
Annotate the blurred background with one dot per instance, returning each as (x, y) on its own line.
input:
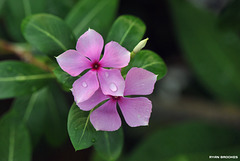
(196, 110)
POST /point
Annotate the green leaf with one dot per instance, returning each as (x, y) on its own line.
(17, 11)
(212, 53)
(14, 138)
(148, 60)
(18, 78)
(109, 144)
(56, 118)
(127, 31)
(185, 140)
(64, 78)
(32, 110)
(48, 33)
(95, 14)
(81, 132)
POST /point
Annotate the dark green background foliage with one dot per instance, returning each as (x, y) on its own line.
(190, 121)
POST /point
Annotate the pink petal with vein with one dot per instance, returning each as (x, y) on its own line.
(115, 56)
(139, 82)
(106, 117)
(85, 87)
(73, 62)
(111, 82)
(93, 101)
(90, 44)
(136, 111)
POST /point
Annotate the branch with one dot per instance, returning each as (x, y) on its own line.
(22, 53)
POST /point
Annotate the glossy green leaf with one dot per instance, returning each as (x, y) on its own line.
(185, 140)
(212, 53)
(32, 110)
(64, 78)
(18, 78)
(14, 138)
(48, 33)
(56, 118)
(109, 144)
(95, 14)
(148, 60)
(81, 132)
(17, 11)
(127, 31)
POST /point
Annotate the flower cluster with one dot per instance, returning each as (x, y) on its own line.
(103, 81)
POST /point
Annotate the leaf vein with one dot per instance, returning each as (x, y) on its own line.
(127, 32)
(50, 36)
(28, 77)
(98, 7)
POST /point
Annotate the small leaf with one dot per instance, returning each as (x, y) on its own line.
(14, 138)
(18, 78)
(109, 144)
(56, 118)
(32, 110)
(95, 14)
(148, 60)
(81, 132)
(127, 31)
(64, 78)
(48, 33)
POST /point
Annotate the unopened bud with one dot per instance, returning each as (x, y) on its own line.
(140, 45)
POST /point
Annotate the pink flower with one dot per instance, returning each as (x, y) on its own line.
(136, 111)
(87, 55)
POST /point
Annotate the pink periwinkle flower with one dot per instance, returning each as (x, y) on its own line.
(87, 56)
(136, 111)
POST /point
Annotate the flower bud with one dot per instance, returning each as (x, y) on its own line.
(140, 45)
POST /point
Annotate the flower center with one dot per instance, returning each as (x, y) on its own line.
(95, 66)
(116, 97)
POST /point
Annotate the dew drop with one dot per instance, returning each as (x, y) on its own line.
(113, 87)
(93, 140)
(84, 84)
(106, 74)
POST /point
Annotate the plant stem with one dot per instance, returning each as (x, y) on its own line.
(22, 52)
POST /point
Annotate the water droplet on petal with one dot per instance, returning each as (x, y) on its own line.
(84, 84)
(106, 74)
(113, 87)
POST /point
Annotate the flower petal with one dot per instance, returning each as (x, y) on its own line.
(139, 82)
(106, 117)
(85, 87)
(111, 82)
(90, 44)
(115, 56)
(136, 111)
(73, 62)
(93, 101)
